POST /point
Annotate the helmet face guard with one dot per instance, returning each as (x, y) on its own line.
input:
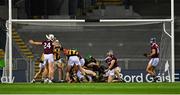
(152, 40)
(50, 37)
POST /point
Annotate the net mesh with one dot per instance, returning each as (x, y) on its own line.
(165, 54)
(128, 40)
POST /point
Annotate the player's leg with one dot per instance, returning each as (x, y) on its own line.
(155, 77)
(81, 77)
(117, 72)
(51, 67)
(92, 76)
(45, 73)
(41, 69)
(110, 75)
(154, 65)
(60, 71)
(38, 73)
(110, 79)
(68, 68)
(43, 66)
(153, 70)
(77, 64)
(51, 71)
(149, 68)
(89, 72)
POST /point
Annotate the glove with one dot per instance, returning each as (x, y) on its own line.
(145, 54)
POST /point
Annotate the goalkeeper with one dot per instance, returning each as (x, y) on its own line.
(154, 58)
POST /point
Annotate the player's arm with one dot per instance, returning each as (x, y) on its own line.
(35, 43)
(111, 65)
(151, 54)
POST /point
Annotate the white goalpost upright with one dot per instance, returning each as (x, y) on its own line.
(11, 20)
(10, 41)
(172, 41)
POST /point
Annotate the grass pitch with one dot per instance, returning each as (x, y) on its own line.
(91, 88)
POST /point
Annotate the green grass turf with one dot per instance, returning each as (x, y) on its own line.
(91, 88)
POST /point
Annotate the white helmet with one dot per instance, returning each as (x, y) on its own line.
(50, 37)
(57, 41)
(110, 52)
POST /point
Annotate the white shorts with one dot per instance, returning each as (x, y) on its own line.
(48, 58)
(110, 73)
(79, 74)
(154, 61)
(73, 60)
(82, 61)
(41, 66)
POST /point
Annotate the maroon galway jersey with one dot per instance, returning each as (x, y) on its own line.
(156, 47)
(109, 59)
(48, 47)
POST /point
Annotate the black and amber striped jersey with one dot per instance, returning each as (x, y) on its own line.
(56, 53)
(69, 52)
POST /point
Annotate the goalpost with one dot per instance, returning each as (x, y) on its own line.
(11, 20)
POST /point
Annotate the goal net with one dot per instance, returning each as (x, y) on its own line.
(128, 40)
